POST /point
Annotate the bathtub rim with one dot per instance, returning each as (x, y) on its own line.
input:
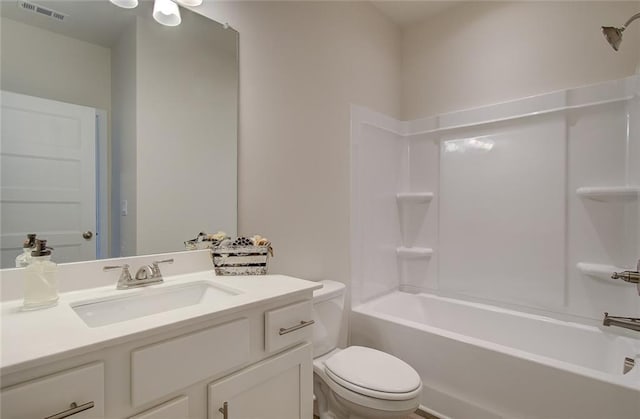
(630, 381)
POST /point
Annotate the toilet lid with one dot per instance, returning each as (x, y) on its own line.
(373, 370)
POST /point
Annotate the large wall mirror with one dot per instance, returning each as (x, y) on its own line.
(119, 135)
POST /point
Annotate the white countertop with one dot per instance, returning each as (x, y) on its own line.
(31, 338)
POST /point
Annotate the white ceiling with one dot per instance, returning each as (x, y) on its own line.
(404, 12)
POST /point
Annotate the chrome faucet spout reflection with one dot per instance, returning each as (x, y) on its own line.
(631, 323)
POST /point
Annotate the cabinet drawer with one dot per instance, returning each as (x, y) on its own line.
(53, 394)
(177, 408)
(164, 367)
(287, 326)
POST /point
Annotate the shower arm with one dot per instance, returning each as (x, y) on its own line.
(631, 19)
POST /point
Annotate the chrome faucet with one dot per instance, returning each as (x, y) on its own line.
(630, 323)
(151, 272)
(146, 275)
(628, 276)
(145, 272)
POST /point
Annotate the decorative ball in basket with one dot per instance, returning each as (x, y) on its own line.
(242, 256)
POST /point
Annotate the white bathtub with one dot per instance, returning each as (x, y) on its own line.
(478, 361)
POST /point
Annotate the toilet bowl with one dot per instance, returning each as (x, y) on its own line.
(356, 382)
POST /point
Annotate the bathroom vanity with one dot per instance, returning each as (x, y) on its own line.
(195, 346)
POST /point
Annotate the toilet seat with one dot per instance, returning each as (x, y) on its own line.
(373, 373)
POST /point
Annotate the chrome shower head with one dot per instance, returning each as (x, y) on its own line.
(613, 35)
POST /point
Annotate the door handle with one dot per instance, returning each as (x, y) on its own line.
(224, 410)
(87, 235)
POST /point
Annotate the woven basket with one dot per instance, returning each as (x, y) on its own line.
(241, 260)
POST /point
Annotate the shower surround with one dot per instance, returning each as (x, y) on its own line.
(527, 206)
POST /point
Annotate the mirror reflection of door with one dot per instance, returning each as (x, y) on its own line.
(48, 182)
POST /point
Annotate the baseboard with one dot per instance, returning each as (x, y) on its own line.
(424, 414)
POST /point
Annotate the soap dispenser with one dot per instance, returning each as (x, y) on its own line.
(24, 258)
(40, 282)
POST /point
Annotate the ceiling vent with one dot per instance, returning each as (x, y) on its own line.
(41, 10)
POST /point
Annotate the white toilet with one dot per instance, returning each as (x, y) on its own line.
(356, 382)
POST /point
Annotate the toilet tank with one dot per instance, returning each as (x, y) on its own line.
(328, 307)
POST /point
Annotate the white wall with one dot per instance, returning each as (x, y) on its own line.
(41, 63)
(486, 52)
(301, 65)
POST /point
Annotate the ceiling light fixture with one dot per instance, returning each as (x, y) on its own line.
(125, 4)
(166, 13)
(190, 3)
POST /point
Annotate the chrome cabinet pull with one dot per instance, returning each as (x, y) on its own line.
(72, 410)
(224, 410)
(302, 324)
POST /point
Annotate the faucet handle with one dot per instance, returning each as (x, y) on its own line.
(124, 267)
(125, 275)
(156, 268)
(629, 276)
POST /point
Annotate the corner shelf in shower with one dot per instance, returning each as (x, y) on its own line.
(414, 197)
(601, 272)
(414, 252)
(610, 193)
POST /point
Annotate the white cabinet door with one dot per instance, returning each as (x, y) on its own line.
(276, 388)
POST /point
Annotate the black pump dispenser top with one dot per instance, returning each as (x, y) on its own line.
(41, 249)
(30, 242)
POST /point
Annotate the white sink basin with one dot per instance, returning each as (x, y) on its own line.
(147, 301)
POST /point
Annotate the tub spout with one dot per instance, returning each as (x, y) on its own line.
(630, 323)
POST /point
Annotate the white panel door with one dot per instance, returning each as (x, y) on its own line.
(48, 180)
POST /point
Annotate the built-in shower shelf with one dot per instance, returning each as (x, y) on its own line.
(601, 272)
(610, 193)
(415, 197)
(414, 252)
